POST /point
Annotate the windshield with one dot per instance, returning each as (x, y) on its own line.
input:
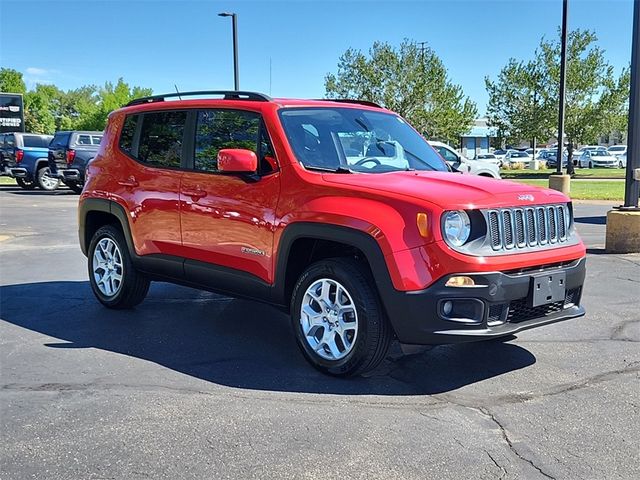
(617, 149)
(354, 140)
(519, 154)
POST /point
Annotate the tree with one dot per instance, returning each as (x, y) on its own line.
(11, 81)
(596, 101)
(109, 98)
(41, 106)
(409, 80)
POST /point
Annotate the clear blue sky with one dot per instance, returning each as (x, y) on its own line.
(158, 43)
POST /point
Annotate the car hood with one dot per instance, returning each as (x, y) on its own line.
(450, 190)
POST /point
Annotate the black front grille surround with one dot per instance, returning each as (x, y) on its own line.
(520, 311)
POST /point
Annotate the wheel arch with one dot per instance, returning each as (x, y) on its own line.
(303, 243)
(94, 213)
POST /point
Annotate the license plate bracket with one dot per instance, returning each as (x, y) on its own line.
(548, 288)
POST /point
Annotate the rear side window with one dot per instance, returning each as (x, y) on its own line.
(127, 133)
(84, 140)
(218, 129)
(161, 139)
(60, 140)
(35, 141)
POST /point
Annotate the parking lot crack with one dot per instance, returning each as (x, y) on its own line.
(504, 470)
(505, 436)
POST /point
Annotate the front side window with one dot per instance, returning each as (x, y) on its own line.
(84, 140)
(161, 139)
(36, 141)
(95, 139)
(356, 140)
(448, 155)
(219, 129)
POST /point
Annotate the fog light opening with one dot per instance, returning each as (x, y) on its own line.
(461, 281)
(447, 307)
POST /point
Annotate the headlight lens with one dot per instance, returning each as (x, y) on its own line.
(457, 227)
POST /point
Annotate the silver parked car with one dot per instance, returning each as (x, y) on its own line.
(597, 158)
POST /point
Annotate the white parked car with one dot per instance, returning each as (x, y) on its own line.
(596, 158)
(489, 157)
(462, 164)
(620, 152)
(622, 160)
(515, 156)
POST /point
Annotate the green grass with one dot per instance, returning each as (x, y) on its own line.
(587, 190)
(580, 173)
(7, 181)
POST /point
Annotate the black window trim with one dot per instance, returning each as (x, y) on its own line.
(187, 163)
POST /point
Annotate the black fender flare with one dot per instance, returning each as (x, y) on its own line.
(105, 206)
(336, 233)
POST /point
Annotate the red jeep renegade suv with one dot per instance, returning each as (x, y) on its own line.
(338, 212)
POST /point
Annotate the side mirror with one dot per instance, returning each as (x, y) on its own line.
(237, 160)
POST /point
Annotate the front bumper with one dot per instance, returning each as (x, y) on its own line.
(502, 306)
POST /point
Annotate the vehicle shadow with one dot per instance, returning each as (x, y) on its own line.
(237, 343)
(15, 190)
(596, 220)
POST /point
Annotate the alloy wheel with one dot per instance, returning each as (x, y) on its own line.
(329, 319)
(107, 267)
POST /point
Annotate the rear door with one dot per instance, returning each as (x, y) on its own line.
(148, 179)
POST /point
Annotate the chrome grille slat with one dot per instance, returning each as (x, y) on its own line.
(528, 227)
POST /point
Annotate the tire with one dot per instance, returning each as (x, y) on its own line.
(75, 187)
(132, 287)
(620, 164)
(45, 181)
(26, 184)
(372, 332)
(590, 165)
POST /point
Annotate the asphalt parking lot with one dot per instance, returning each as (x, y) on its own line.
(194, 385)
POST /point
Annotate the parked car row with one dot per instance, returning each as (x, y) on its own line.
(46, 161)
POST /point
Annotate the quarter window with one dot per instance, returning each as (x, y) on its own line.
(161, 139)
(219, 129)
(127, 133)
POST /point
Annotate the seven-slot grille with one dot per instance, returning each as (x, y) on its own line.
(527, 227)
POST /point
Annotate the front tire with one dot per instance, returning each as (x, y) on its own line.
(337, 318)
(45, 180)
(114, 280)
(590, 165)
(26, 184)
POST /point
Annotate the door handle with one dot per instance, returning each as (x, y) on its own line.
(129, 182)
(196, 194)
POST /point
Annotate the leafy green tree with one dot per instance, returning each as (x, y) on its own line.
(596, 101)
(41, 106)
(109, 98)
(409, 80)
(11, 81)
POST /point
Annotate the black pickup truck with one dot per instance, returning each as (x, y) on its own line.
(69, 153)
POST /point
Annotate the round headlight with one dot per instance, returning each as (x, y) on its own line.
(457, 227)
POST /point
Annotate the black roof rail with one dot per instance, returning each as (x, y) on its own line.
(350, 100)
(227, 95)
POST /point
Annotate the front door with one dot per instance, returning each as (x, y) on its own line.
(227, 220)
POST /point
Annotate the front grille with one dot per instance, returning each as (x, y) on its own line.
(527, 227)
(520, 311)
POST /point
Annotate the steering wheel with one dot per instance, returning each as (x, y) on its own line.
(365, 160)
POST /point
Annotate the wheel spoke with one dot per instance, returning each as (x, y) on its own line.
(333, 346)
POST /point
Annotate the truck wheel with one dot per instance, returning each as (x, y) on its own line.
(25, 183)
(45, 180)
(337, 318)
(75, 187)
(114, 280)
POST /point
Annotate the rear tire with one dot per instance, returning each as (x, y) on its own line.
(344, 332)
(26, 184)
(45, 180)
(114, 280)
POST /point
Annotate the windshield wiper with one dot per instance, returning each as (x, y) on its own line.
(326, 169)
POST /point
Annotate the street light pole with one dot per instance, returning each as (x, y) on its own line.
(563, 81)
(234, 26)
(632, 182)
